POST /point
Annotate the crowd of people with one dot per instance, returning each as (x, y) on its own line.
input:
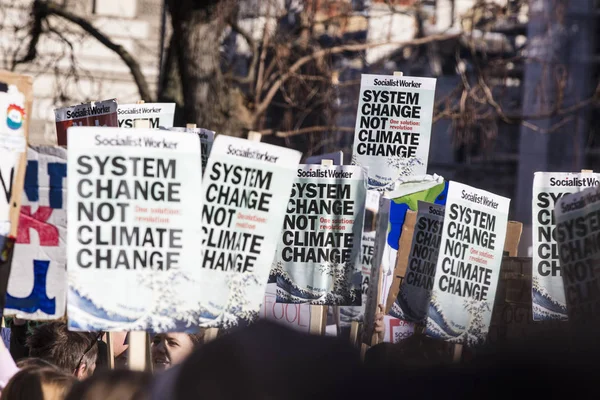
(269, 361)
(47, 361)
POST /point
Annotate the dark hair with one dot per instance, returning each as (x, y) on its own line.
(35, 383)
(53, 342)
(118, 384)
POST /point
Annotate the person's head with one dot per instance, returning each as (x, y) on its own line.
(34, 362)
(73, 352)
(169, 349)
(34, 383)
(119, 384)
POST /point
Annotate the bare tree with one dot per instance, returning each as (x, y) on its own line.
(288, 86)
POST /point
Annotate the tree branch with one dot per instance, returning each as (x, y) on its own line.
(47, 8)
(264, 104)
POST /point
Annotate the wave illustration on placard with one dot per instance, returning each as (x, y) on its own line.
(402, 309)
(544, 306)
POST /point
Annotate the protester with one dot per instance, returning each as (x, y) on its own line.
(31, 362)
(269, 361)
(7, 366)
(113, 385)
(73, 352)
(169, 349)
(35, 383)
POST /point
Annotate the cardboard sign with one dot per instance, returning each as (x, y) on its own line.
(548, 293)
(206, 141)
(37, 289)
(468, 265)
(512, 317)
(577, 235)
(157, 114)
(397, 212)
(96, 113)
(134, 228)
(294, 316)
(246, 189)
(412, 301)
(393, 127)
(318, 254)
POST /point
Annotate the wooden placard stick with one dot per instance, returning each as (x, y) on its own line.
(210, 334)
(190, 126)
(398, 73)
(254, 136)
(139, 345)
(354, 332)
(110, 349)
(457, 352)
(375, 336)
(587, 171)
(318, 314)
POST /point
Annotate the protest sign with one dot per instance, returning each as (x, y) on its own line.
(95, 113)
(158, 115)
(294, 316)
(394, 212)
(357, 313)
(396, 329)
(468, 265)
(206, 141)
(37, 286)
(16, 97)
(246, 189)
(412, 301)
(548, 293)
(318, 253)
(134, 228)
(578, 234)
(393, 127)
(512, 316)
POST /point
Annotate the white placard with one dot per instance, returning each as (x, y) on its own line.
(37, 288)
(468, 265)
(393, 127)
(548, 294)
(134, 228)
(246, 189)
(158, 115)
(578, 235)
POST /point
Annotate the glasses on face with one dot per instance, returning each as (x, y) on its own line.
(89, 348)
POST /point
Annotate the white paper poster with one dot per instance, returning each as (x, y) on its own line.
(206, 141)
(468, 265)
(12, 146)
(158, 115)
(578, 236)
(412, 302)
(134, 228)
(37, 288)
(393, 127)
(246, 189)
(548, 294)
(318, 254)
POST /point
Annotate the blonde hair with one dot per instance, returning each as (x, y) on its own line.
(35, 383)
